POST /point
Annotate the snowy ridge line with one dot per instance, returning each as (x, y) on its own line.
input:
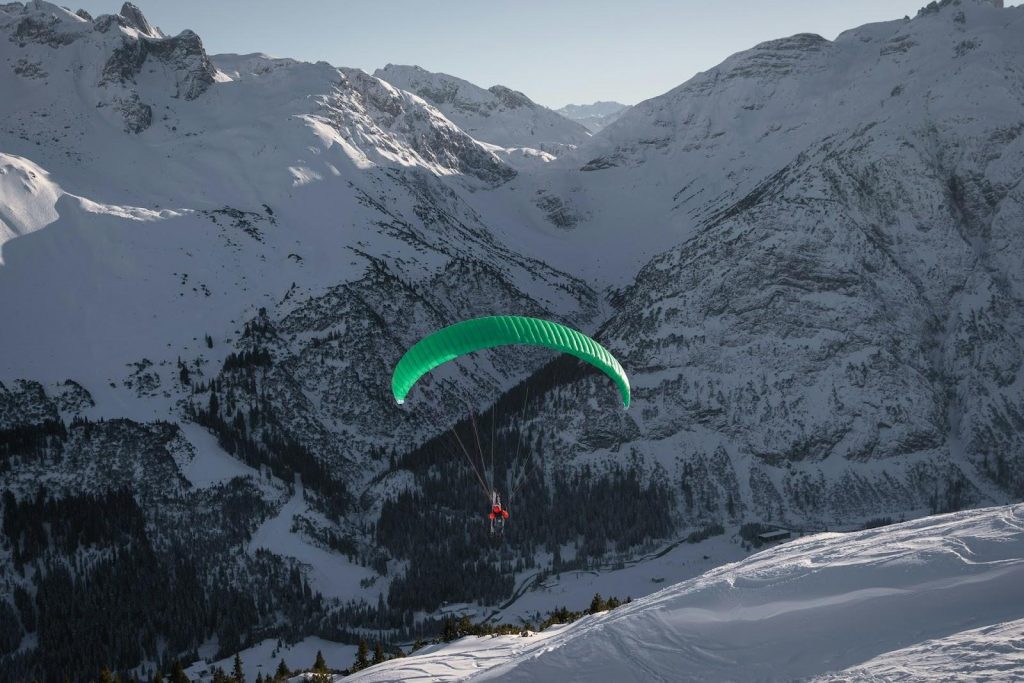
(882, 602)
(29, 198)
(987, 653)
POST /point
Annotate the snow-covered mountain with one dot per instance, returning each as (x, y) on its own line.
(236, 216)
(808, 259)
(940, 598)
(498, 115)
(163, 218)
(836, 328)
(594, 116)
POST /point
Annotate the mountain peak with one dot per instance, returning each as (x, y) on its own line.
(134, 17)
(933, 7)
(799, 41)
(511, 98)
(407, 67)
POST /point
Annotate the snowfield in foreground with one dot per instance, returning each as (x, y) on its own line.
(934, 598)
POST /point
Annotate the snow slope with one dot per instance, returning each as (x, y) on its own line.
(667, 564)
(885, 602)
(263, 658)
(27, 198)
(991, 653)
(329, 572)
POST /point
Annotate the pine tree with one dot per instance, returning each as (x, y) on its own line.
(158, 677)
(282, 670)
(449, 632)
(378, 653)
(598, 604)
(214, 405)
(319, 666)
(106, 676)
(237, 675)
(362, 656)
(178, 674)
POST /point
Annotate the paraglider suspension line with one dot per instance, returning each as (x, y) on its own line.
(472, 465)
(479, 448)
(518, 470)
(492, 444)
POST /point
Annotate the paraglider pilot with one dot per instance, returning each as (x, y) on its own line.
(498, 514)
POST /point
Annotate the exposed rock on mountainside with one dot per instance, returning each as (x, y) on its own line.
(428, 134)
(127, 48)
(183, 53)
(498, 115)
(133, 17)
(846, 292)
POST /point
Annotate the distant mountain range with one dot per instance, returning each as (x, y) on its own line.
(594, 116)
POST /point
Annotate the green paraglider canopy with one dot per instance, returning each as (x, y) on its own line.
(502, 330)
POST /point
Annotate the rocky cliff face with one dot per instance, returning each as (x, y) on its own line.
(842, 315)
(417, 127)
(129, 43)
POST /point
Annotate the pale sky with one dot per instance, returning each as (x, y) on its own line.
(555, 51)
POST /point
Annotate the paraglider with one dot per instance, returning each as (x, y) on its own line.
(478, 334)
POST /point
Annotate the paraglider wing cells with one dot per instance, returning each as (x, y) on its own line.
(485, 333)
